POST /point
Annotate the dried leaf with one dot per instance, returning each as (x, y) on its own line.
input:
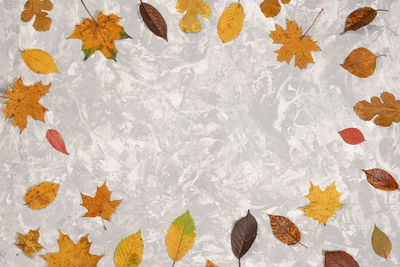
(56, 140)
(270, 8)
(29, 243)
(23, 101)
(129, 251)
(71, 254)
(100, 35)
(180, 237)
(285, 2)
(381, 243)
(294, 44)
(210, 264)
(40, 196)
(387, 108)
(339, 258)
(230, 22)
(360, 62)
(34, 7)
(352, 136)
(323, 204)
(100, 205)
(190, 22)
(39, 61)
(380, 179)
(153, 20)
(359, 18)
(284, 229)
(243, 234)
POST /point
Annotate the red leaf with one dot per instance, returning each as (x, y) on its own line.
(55, 139)
(380, 179)
(352, 136)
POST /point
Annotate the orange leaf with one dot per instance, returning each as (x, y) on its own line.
(35, 7)
(270, 8)
(380, 179)
(29, 243)
(360, 62)
(284, 229)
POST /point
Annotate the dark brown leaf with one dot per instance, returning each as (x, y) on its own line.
(284, 229)
(154, 20)
(360, 17)
(243, 234)
(380, 179)
(339, 258)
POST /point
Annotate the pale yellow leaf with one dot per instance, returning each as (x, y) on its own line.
(39, 61)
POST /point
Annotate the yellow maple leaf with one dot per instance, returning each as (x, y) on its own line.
(230, 22)
(71, 254)
(100, 205)
(190, 22)
(294, 44)
(323, 204)
(34, 7)
(29, 243)
(23, 101)
(100, 35)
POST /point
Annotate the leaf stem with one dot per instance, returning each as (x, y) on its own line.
(380, 56)
(239, 263)
(303, 245)
(319, 14)
(87, 10)
(173, 264)
(387, 10)
(3, 96)
(104, 224)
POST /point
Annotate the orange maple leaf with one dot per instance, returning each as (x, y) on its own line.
(100, 205)
(100, 35)
(294, 44)
(71, 254)
(23, 101)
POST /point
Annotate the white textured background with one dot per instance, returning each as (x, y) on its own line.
(200, 125)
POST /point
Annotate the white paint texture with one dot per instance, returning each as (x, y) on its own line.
(200, 125)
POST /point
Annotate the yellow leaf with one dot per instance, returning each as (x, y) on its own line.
(23, 101)
(29, 243)
(39, 61)
(129, 251)
(190, 22)
(40, 196)
(180, 236)
(323, 204)
(72, 255)
(294, 44)
(231, 22)
(210, 264)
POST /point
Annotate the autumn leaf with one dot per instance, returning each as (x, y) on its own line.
(180, 237)
(129, 251)
(270, 8)
(55, 139)
(35, 7)
(153, 20)
(193, 8)
(352, 136)
(230, 22)
(285, 230)
(100, 34)
(39, 61)
(360, 62)
(40, 196)
(387, 108)
(285, 2)
(380, 179)
(381, 243)
(243, 234)
(71, 254)
(100, 205)
(29, 243)
(210, 264)
(360, 17)
(323, 204)
(23, 101)
(294, 44)
(339, 258)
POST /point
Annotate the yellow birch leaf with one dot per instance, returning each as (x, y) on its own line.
(323, 204)
(129, 251)
(190, 22)
(40, 196)
(29, 243)
(39, 61)
(230, 23)
(180, 237)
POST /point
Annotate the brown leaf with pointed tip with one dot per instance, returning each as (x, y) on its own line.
(34, 7)
(243, 234)
(359, 18)
(352, 136)
(29, 243)
(55, 139)
(100, 205)
(284, 229)
(339, 258)
(387, 108)
(270, 8)
(380, 179)
(153, 20)
(210, 264)
(381, 243)
(360, 62)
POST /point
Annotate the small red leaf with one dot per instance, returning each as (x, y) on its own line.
(352, 136)
(55, 139)
(380, 179)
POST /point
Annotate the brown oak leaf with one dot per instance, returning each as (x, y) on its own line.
(34, 7)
